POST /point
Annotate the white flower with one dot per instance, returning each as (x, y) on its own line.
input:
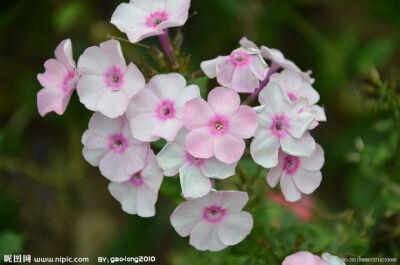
(297, 174)
(106, 83)
(145, 18)
(138, 195)
(195, 173)
(214, 221)
(331, 259)
(281, 124)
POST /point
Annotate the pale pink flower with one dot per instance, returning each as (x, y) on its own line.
(141, 19)
(277, 59)
(281, 124)
(217, 128)
(109, 145)
(331, 259)
(242, 70)
(297, 174)
(157, 110)
(194, 173)
(303, 258)
(59, 81)
(107, 84)
(296, 88)
(138, 195)
(215, 221)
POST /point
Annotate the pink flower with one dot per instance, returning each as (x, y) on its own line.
(141, 19)
(138, 195)
(107, 84)
(242, 70)
(276, 58)
(217, 128)
(281, 124)
(195, 173)
(296, 88)
(297, 174)
(303, 209)
(214, 221)
(59, 81)
(303, 258)
(109, 145)
(157, 110)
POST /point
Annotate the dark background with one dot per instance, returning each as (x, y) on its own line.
(53, 203)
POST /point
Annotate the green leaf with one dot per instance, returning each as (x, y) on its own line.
(202, 84)
(10, 243)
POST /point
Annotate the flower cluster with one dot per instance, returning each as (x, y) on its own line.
(205, 138)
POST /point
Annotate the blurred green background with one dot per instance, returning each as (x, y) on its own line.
(53, 203)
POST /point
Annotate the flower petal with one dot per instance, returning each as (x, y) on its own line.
(193, 182)
(112, 49)
(235, 227)
(307, 181)
(94, 61)
(224, 101)
(199, 143)
(133, 81)
(168, 129)
(152, 174)
(273, 96)
(112, 167)
(54, 74)
(289, 190)
(126, 194)
(213, 168)
(204, 236)
(105, 126)
(90, 89)
(142, 127)
(234, 201)
(185, 217)
(299, 123)
(168, 86)
(63, 54)
(196, 113)
(264, 149)
(171, 158)
(112, 103)
(243, 123)
(315, 161)
(52, 99)
(225, 70)
(146, 200)
(228, 148)
(244, 81)
(304, 146)
(274, 175)
(189, 93)
(209, 67)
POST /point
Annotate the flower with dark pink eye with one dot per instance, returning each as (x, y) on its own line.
(280, 125)
(296, 174)
(114, 78)
(143, 19)
(165, 110)
(214, 214)
(156, 18)
(218, 126)
(109, 145)
(239, 58)
(214, 221)
(138, 194)
(291, 164)
(58, 81)
(137, 179)
(118, 143)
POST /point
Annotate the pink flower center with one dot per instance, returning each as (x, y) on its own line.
(165, 110)
(67, 83)
(239, 58)
(114, 78)
(280, 125)
(218, 125)
(292, 96)
(137, 179)
(198, 162)
(118, 143)
(291, 164)
(214, 214)
(156, 19)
